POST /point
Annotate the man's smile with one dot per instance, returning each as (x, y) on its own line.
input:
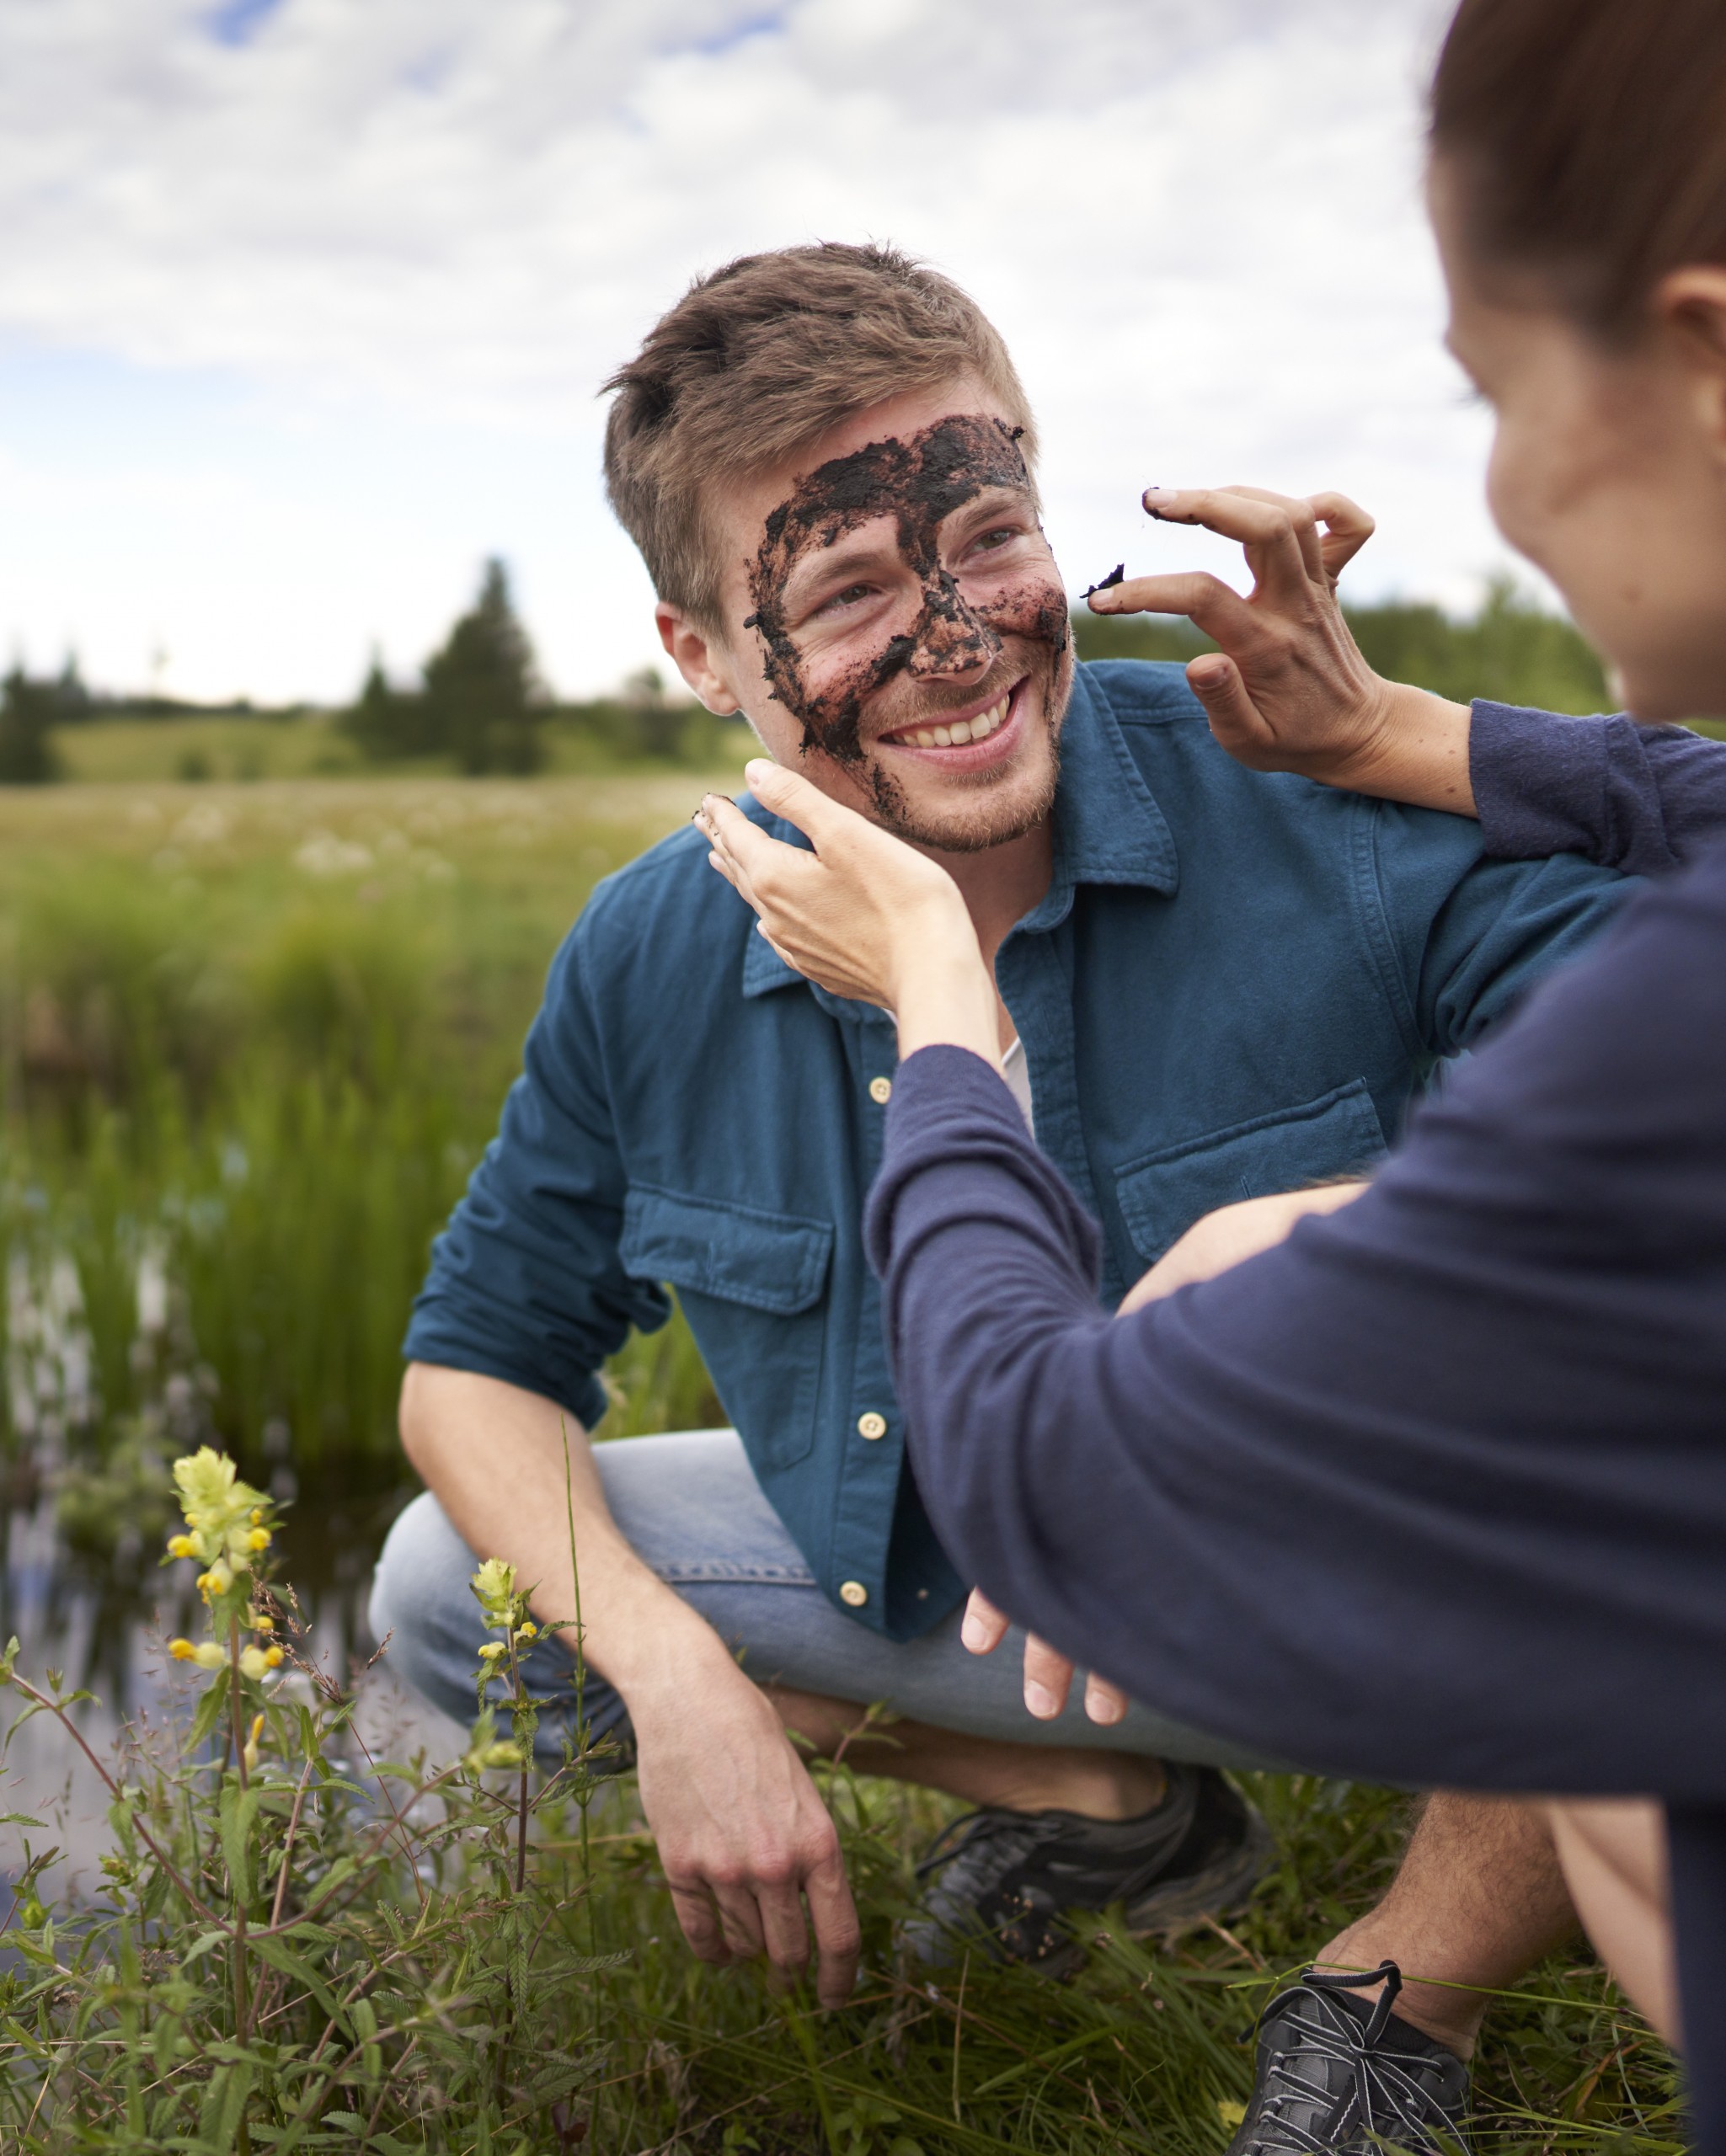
(997, 722)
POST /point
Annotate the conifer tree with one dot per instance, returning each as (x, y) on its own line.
(27, 711)
(484, 703)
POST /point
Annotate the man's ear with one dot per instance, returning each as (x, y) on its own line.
(701, 659)
(1691, 303)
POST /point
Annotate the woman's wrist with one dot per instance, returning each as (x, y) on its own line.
(945, 998)
(1418, 752)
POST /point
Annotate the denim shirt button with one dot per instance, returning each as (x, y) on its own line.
(853, 1593)
(880, 1090)
(872, 1425)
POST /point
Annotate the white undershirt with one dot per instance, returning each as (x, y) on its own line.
(1017, 1073)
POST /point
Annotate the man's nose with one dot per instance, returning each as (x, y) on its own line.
(949, 639)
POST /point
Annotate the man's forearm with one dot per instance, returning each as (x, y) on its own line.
(493, 1454)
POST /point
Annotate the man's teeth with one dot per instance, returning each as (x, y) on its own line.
(953, 737)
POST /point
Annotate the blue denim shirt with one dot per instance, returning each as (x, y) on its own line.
(1234, 984)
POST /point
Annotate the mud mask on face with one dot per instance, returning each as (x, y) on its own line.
(918, 482)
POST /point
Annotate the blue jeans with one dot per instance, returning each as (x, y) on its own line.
(689, 1506)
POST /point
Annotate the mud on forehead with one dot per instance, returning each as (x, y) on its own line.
(920, 481)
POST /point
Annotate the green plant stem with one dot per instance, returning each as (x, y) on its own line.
(242, 1972)
(287, 1847)
(817, 2080)
(526, 1769)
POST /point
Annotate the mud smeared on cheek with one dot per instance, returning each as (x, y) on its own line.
(919, 482)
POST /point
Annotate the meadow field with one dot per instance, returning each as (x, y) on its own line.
(254, 1034)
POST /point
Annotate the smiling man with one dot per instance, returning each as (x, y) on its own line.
(1211, 983)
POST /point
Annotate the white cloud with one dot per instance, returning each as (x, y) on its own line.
(389, 238)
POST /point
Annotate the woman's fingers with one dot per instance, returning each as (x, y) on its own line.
(789, 794)
(1270, 530)
(1347, 529)
(984, 1626)
(1298, 508)
(1104, 1702)
(1205, 600)
(1235, 719)
(1047, 1678)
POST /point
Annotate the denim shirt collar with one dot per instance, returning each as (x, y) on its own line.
(1108, 829)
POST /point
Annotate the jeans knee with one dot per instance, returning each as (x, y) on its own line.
(420, 1597)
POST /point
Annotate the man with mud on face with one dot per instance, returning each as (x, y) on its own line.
(1212, 983)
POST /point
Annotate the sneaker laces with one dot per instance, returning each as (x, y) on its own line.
(1385, 2100)
(972, 1846)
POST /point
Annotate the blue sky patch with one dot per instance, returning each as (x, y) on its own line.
(237, 22)
(763, 24)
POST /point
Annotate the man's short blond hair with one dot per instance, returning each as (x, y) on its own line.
(759, 360)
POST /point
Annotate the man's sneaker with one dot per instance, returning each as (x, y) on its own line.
(1002, 1881)
(1339, 2076)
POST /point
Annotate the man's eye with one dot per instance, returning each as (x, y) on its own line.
(848, 597)
(1003, 535)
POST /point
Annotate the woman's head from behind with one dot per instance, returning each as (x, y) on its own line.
(1578, 191)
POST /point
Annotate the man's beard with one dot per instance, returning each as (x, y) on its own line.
(965, 827)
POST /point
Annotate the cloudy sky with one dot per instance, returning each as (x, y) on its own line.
(304, 303)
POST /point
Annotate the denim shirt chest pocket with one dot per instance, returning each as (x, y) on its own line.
(1162, 1194)
(753, 1286)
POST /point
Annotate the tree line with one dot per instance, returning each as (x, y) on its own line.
(481, 704)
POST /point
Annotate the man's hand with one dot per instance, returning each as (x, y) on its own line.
(744, 1839)
(1230, 1235)
(1290, 690)
(743, 1836)
(1048, 1674)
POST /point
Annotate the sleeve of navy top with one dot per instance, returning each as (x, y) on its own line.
(1433, 1493)
(1642, 798)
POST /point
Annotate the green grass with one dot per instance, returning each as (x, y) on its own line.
(262, 1032)
(592, 740)
(258, 1034)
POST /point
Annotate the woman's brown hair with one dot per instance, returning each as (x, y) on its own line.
(1587, 140)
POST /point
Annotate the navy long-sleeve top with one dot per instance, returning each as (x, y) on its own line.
(1435, 1491)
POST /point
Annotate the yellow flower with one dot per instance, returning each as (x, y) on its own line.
(494, 1584)
(181, 1545)
(255, 1663)
(528, 1631)
(204, 1479)
(208, 1656)
(181, 1650)
(492, 1650)
(260, 1623)
(501, 1755)
(250, 1754)
(257, 1516)
(259, 1539)
(273, 1656)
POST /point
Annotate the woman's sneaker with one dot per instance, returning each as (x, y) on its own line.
(1001, 1882)
(1338, 2076)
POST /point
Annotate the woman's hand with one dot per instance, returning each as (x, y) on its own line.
(1290, 690)
(1230, 1235)
(1048, 1673)
(864, 916)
